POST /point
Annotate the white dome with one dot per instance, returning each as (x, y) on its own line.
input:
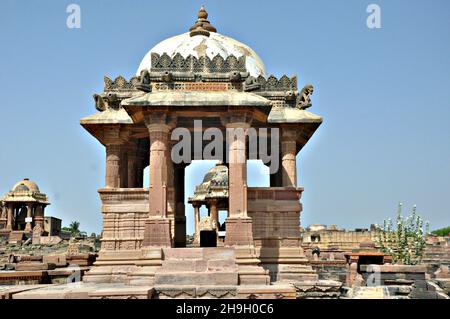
(211, 45)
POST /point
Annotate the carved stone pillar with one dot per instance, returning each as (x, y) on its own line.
(288, 155)
(238, 224)
(9, 222)
(113, 165)
(114, 138)
(157, 227)
(132, 166)
(28, 226)
(196, 223)
(39, 216)
(124, 167)
(213, 213)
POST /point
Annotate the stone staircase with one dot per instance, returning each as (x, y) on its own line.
(198, 267)
(436, 255)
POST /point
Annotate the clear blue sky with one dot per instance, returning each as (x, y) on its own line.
(384, 95)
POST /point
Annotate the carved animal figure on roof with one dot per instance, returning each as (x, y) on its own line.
(304, 99)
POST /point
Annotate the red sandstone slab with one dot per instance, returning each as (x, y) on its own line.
(183, 253)
(278, 291)
(395, 268)
(34, 266)
(78, 290)
(58, 260)
(197, 278)
(7, 292)
(122, 293)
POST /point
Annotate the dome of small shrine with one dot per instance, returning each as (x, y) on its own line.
(25, 185)
(203, 40)
(214, 185)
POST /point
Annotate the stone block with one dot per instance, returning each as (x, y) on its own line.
(174, 292)
(122, 293)
(221, 264)
(182, 253)
(218, 253)
(58, 260)
(195, 278)
(185, 265)
(278, 291)
(213, 292)
(30, 266)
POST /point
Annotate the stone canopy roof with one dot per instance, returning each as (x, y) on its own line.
(214, 185)
(205, 71)
(203, 40)
(25, 191)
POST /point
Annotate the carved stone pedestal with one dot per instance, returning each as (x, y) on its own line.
(157, 233)
(239, 232)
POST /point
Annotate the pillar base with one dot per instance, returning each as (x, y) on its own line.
(157, 233)
(239, 231)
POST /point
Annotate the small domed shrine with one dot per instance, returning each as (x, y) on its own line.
(23, 208)
(190, 91)
(213, 193)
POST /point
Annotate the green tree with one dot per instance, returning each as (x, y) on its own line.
(442, 232)
(74, 228)
(406, 241)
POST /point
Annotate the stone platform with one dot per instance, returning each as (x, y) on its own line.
(82, 290)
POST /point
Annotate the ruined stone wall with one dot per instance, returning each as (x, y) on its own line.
(342, 239)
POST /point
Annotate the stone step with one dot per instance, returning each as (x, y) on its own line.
(196, 278)
(198, 265)
(370, 293)
(217, 253)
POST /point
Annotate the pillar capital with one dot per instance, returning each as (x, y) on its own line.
(115, 134)
(159, 121)
(289, 132)
(237, 117)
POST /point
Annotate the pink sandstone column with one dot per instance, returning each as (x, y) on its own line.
(39, 216)
(9, 223)
(214, 213)
(113, 155)
(157, 227)
(132, 167)
(288, 158)
(238, 224)
(196, 223)
(237, 172)
(29, 215)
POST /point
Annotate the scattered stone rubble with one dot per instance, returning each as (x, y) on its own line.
(65, 261)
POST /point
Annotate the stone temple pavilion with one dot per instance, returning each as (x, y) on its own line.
(199, 75)
(22, 210)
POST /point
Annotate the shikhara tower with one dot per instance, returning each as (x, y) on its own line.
(198, 75)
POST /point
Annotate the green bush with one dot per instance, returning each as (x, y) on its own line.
(441, 232)
(405, 242)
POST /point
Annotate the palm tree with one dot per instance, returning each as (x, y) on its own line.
(74, 228)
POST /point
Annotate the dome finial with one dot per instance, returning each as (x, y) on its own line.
(202, 14)
(202, 26)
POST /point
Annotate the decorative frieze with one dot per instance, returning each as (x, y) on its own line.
(203, 64)
(120, 83)
(271, 84)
